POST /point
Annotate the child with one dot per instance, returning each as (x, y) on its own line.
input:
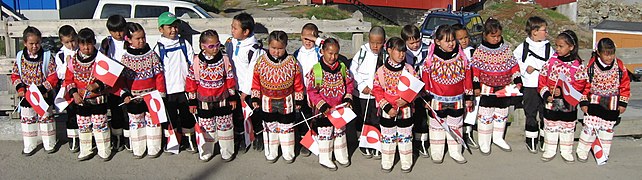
(494, 68)
(329, 86)
(176, 55)
(307, 56)
(144, 74)
(277, 90)
(67, 36)
(211, 87)
(244, 50)
(560, 115)
(448, 79)
(463, 38)
(606, 97)
(35, 66)
(363, 67)
(396, 113)
(415, 56)
(89, 96)
(113, 46)
(534, 52)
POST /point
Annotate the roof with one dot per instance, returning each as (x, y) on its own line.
(619, 25)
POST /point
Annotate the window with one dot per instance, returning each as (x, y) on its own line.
(115, 9)
(475, 25)
(186, 13)
(435, 21)
(143, 11)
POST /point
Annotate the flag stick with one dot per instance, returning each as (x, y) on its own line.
(363, 125)
(307, 119)
(18, 106)
(136, 97)
(463, 143)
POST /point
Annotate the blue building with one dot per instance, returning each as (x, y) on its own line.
(39, 9)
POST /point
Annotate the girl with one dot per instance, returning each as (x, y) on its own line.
(90, 97)
(396, 113)
(277, 87)
(143, 74)
(211, 87)
(328, 86)
(448, 81)
(463, 38)
(559, 114)
(605, 98)
(494, 68)
(35, 66)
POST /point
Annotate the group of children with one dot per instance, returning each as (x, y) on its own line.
(207, 89)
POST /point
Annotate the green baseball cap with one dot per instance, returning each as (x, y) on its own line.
(166, 18)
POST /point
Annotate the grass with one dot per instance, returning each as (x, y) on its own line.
(214, 3)
(391, 30)
(321, 12)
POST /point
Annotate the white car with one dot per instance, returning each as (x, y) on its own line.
(148, 9)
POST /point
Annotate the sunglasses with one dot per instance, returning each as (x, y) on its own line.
(212, 46)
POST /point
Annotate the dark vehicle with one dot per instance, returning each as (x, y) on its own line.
(472, 21)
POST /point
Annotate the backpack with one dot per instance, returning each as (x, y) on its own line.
(318, 73)
(525, 51)
(424, 53)
(162, 52)
(229, 48)
(105, 45)
(45, 62)
(196, 66)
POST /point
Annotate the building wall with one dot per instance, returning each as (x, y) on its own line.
(621, 40)
(569, 10)
(19, 5)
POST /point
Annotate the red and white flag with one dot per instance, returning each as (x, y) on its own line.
(600, 157)
(200, 138)
(310, 142)
(247, 123)
(340, 116)
(63, 99)
(570, 94)
(409, 86)
(453, 132)
(156, 107)
(370, 137)
(107, 70)
(172, 140)
(508, 91)
(37, 101)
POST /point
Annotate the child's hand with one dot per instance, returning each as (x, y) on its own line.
(233, 104)
(584, 109)
(77, 98)
(469, 103)
(622, 109)
(255, 105)
(192, 109)
(127, 99)
(392, 112)
(400, 102)
(530, 69)
(92, 87)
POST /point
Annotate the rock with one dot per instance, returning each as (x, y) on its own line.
(357, 15)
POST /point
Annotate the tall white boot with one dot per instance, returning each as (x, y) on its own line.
(566, 146)
(341, 147)
(154, 140)
(286, 138)
(388, 148)
(404, 141)
(48, 133)
(73, 141)
(606, 139)
(137, 134)
(551, 145)
(326, 147)
(85, 146)
(498, 133)
(484, 137)
(29, 138)
(587, 136)
(226, 142)
(103, 143)
(437, 144)
(189, 134)
(454, 150)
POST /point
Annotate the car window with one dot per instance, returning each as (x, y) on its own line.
(475, 25)
(202, 11)
(436, 21)
(143, 11)
(186, 13)
(116, 9)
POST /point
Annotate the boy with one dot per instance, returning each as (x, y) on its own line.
(113, 46)
(363, 67)
(307, 56)
(462, 36)
(176, 55)
(531, 55)
(67, 36)
(415, 56)
(244, 49)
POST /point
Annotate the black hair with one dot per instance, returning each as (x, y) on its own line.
(207, 34)
(396, 43)
(492, 25)
(86, 35)
(534, 23)
(31, 31)
(570, 38)
(458, 27)
(67, 31)
(410, 32)
(444, 32)
(116, 23)
(330, 42)
(312, 27)
(131, 28)
(246, 20)
(278, 36)
(604, 46)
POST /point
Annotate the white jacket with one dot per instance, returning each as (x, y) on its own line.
(364, 71)
(174, 64)
(243, 65)
(539, 48)
(61, 64)
(307, 58)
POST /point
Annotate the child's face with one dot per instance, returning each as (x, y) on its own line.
(413, 44)
(238, 32)
(306, 43)
(494, 37)
(169, 31)
(86, 48)
(32, 43)
(463, 38)
(396, 55)
(539, 34)
(137, 40)
(606, 58)
(376, 43)
(562, 48)
(330, 54)
(69, 42)
(117, 35)
(211, 46)
(447, 43)
(277, 49)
